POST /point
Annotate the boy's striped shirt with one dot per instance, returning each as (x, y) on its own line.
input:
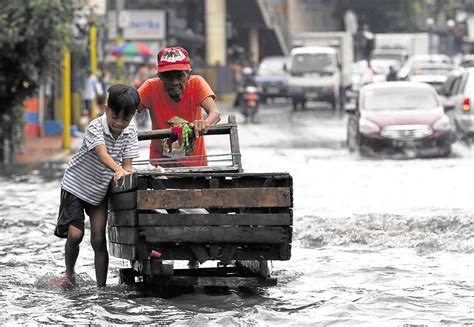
(86, 176)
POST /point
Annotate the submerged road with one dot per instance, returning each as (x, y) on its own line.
(377, 241)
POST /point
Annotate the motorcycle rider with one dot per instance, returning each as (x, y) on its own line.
(248, 79)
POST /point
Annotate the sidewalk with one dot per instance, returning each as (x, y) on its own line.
(49, 148)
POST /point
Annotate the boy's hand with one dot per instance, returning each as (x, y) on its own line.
(119, 173)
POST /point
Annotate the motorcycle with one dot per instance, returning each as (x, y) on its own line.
(249, 106)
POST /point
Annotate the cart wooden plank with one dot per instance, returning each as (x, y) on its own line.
(161, 181)
(122, 218)
(175, 252)
(213, 234)
(123, 201)
(214, 198)
(214, 219)
(123, 235)
(124, 251)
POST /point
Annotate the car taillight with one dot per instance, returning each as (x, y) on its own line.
(466, 105)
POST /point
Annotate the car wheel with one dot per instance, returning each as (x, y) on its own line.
(363, 152)
(295, 104)
(352, 140)
(446, 151)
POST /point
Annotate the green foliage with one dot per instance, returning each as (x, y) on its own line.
(32, 35)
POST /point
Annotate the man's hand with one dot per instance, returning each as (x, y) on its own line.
(119, 173)
(200, 125)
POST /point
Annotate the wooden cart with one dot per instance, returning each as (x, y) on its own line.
(240, 220)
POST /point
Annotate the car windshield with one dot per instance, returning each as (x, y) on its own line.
(399, 98)
(313, 63)
(271, 67)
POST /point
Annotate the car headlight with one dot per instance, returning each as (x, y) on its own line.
(368, 127)
(442, 124)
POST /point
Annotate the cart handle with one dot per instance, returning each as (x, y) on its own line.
(220, 129)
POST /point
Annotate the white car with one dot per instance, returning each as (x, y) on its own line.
(459, 93)
(421, 59)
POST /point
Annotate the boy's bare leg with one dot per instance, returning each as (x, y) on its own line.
(71, 250)
(98, 218)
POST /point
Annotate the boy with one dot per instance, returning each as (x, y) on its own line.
(108, 141)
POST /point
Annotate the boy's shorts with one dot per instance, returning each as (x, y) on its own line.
(71, 212)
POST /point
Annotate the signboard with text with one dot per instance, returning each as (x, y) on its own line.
(138, 24)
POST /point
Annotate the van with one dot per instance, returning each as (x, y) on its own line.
(314, 74)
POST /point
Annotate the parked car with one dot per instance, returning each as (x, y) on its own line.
(458, 94)
(432, 73)
(399, 117)
(467, 61)
(272, 78)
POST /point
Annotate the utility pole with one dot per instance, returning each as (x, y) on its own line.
(93, 43)
(66, 98)
(216, 46)
(119, 5)
(93, 55)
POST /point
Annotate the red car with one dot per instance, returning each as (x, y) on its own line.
(405, 117)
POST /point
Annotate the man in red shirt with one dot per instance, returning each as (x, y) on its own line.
(176, 93)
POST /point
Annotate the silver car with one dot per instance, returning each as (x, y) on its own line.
(459, 96)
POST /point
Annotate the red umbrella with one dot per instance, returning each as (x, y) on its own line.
(131, 49)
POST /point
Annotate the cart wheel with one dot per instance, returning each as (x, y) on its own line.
(127, 276)
(256, 267)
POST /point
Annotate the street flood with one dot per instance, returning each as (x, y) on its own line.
(376, 242)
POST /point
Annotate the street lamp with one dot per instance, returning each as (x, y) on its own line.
(430, 24)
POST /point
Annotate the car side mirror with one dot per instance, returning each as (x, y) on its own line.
(448, 105)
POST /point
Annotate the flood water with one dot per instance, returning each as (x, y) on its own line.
(376, 242)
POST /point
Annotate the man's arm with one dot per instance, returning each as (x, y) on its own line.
(107, 160)
(213, 116)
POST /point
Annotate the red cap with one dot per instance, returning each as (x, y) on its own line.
(173, 59)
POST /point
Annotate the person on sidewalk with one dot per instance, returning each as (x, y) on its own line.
(107, 150)
(176, 93)
(92, 91)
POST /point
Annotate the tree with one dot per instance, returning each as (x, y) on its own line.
(32, 36)
(383, 16)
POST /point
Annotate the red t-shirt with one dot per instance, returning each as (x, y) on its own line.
(162, 108)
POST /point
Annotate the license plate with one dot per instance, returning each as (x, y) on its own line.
(405, 144)
(311, 95)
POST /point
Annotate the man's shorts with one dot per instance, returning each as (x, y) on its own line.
(71, 212)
